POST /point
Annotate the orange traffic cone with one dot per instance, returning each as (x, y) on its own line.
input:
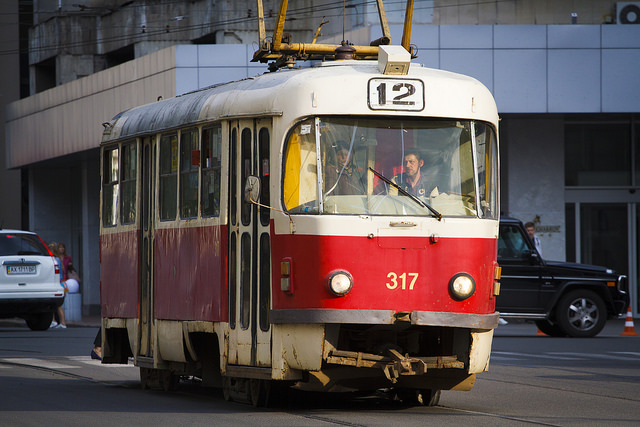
(540, 332)
(628, 325)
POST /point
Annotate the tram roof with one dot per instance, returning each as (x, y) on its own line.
(289, 93)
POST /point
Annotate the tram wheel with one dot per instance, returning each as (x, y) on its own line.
(416, 397)
(144, 378)
(431, 397)
(168, 381)
(226, 389)
(259, 392)
(158, 379)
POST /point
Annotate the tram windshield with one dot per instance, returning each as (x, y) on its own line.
(391, 166)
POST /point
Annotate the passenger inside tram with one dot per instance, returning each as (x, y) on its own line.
(342, 177)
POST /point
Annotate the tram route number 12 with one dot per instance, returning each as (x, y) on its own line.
(396, 94)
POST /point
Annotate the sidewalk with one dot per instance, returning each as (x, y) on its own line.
(89, 321)
(517, 327)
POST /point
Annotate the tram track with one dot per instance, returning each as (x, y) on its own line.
(61, 372)
(570, 390)
(311, 408)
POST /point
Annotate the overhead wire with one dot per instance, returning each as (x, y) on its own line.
(156, 28)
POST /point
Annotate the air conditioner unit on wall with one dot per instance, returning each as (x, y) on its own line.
(628, 12)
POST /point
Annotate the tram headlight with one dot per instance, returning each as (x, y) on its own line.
(340, 283)
(462, 286)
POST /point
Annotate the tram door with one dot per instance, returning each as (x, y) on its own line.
(249, 245)
(146, 250)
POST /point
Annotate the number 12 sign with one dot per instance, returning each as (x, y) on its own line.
(396, 94)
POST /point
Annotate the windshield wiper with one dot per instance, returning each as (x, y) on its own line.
(402, 191)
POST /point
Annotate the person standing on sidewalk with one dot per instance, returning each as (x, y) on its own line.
(53, 247)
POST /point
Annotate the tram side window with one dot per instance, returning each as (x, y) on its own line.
(300, 173)
(189, 165)
(128, 182)
(168, 176)
(263, 139)
(110, 187)
(487, 169)
(211, 164)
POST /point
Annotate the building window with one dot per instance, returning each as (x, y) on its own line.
(168, 176)
(210, 163)
(636, 145)
(597, 154)
(189, 165)
(128, 182)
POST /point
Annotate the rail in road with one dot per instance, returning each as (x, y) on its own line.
(532, 379)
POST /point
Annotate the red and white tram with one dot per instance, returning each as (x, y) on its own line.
(265, 232)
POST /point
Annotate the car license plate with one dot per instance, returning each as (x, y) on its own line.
(21, 269)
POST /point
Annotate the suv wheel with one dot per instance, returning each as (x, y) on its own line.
(581, 313)
(551, 329)
(39, 321)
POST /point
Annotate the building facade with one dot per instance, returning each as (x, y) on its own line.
(565, 75)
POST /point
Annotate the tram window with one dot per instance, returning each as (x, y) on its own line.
(168, 176)
(245, 280)
(233, 177)
(129, 175)
(233, 275)
(265, 282)
(245, 153)
(432, 159)
(263, 140)
(300, 174)
(487, 169)
(110, 187)
(189, 165)
(211, 166)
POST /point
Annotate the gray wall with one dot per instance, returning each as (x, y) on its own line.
(533, 171)
(10, 183)
(64, 207)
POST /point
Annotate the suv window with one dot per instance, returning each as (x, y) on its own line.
(512, 243)
(21, 244)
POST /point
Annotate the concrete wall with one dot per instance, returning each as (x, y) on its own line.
(67, 119)
(10, 183)
(199, 66)
(533, 163)
(539, 68)
(64, 207)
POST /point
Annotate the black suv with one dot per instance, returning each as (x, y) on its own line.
(564, 299)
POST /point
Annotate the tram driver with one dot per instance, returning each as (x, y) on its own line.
(412, 180)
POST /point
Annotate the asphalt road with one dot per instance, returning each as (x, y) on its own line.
(47, 378)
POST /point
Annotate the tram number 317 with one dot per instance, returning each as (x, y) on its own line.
(396, 94)
(402, 281)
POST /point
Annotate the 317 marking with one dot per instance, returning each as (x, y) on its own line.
(400, 281)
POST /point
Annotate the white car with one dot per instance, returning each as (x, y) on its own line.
(30, 279)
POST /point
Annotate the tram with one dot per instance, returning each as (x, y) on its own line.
(267, 232)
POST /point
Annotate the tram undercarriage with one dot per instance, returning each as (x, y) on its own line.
(406, 362)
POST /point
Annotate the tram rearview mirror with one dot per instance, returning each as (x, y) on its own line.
(252, 189)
